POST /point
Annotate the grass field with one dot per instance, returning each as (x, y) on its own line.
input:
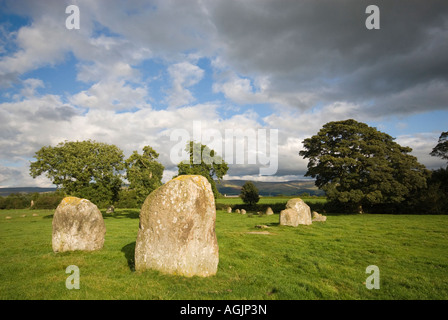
(322, 261)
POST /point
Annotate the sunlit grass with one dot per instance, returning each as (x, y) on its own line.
(321, 261)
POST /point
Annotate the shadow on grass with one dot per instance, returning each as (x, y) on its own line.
(129, 253)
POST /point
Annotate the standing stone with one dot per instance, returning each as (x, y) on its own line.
(177, 229)
(296, 212)
(229, 209)
(110, 209)
(237, 211)
(269, 211)
(77, 225)
(243, 211)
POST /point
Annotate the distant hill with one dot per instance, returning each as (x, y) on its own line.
(7, 191)
(287, 188)
(227, 187)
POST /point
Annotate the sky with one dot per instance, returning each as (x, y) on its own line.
(137, 72)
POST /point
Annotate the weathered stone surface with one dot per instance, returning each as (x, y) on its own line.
(110, 209)
(77, 225)
(269, 211)
(318, 217)
(296, 212)
(237, 211)
(243, 211)
(229, 210)
(177, 229)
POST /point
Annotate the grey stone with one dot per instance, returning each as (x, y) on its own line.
(77, 225)
(177, 229)
(296, 212)
(318, 217)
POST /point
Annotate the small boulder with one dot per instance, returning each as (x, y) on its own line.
(77, 225)
(110, 209)
(296, 212)
(269, 211)
(237, 211)
(318, 217)
(243, 211)
(229, 209)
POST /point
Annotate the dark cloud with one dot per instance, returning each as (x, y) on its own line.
(323, 47)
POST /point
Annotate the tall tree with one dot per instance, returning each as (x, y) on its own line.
(441, 149)
(360, 166)
(205, 162)
(86, 169)
(144, 172)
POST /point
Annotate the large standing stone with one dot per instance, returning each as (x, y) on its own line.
(296, 212)
(77, 225)
(177, 229)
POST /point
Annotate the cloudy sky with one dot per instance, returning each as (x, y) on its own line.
(137, 70)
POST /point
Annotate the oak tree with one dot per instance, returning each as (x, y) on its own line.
(359, 166)
(86, 169)
(144, 173)
(205, 162)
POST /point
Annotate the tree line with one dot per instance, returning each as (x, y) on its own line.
(360, 169)
(99, 171)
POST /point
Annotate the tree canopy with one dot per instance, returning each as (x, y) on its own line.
(144, 172)
(211, 165)
(249, 193)
(441, 149)
(360, 166)
(86, 169)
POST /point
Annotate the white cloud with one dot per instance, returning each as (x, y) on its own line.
(183, 75)
(112, 95)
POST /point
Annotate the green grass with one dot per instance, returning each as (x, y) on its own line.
(322, 261)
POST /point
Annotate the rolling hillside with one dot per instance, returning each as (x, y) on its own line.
(227, 187)
(287, 188)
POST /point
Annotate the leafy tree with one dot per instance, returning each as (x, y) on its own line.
(249, 194)
(205, 162)
(127, 199)
(441, 149)
(85, 169)
(144, 173)
(358, 166)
